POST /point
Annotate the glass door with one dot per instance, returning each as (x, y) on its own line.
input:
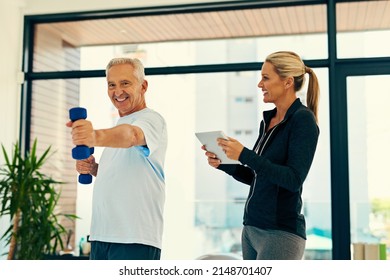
(368, 99)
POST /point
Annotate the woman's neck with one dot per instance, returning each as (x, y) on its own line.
(282, 107)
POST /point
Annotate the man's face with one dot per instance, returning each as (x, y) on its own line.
(126, 92)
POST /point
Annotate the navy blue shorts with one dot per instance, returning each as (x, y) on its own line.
(119, 251)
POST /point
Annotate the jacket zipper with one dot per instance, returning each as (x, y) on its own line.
(260, 152)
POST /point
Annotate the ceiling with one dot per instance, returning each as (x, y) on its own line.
(257, 22)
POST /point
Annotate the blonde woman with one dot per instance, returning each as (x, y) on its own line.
(276, 167)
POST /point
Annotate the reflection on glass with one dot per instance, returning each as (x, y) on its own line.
(369, 150)
(311, 46)
(212, 201)
(359, 25)
(203, 205)
(301, 28)
(209, 204)
(51, 100)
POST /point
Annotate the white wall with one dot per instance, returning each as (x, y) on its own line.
(11, 19)
(11, 24)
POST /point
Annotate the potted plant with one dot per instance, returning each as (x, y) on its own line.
(29, 198)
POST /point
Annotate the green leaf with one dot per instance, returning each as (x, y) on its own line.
(25, 189)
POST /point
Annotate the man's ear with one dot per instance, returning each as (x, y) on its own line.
(144, 86)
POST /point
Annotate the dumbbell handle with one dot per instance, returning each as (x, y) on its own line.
(81, 152)
(86, 178)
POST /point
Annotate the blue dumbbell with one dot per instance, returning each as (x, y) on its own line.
(86, 178)
(81, 151)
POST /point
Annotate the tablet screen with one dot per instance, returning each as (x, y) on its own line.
(209, 139)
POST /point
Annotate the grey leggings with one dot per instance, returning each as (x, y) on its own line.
(260, 244)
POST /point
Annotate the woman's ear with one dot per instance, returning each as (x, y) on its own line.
(289, 81)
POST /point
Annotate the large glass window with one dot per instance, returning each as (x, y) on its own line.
(363, 28)
(211, 203)
(58, 43)
(203, 204)
(208, 203)
(368, 148)
(51, 100)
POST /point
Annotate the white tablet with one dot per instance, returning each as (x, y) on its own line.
(209, 139)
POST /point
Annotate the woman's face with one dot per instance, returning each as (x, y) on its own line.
(272, 86)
